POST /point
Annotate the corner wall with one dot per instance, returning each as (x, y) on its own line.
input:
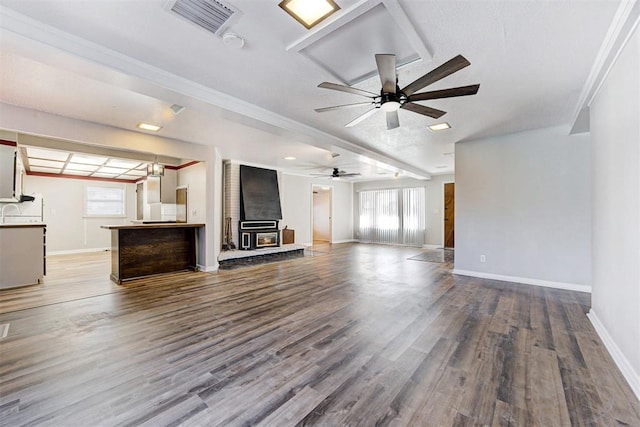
(523, 201)
(615, 132)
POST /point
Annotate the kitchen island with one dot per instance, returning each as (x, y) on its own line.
(141, 250)
(22, 254)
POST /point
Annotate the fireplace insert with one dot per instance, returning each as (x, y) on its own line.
(259, 234)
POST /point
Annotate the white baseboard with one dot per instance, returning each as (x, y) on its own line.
(344, 241)
(208, 269)
(78, 251)
(632, 377)
(425, 246)
(526, 281)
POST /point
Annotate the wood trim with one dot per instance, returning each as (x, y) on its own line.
(9, 143)
(186, 165)
(90, 178)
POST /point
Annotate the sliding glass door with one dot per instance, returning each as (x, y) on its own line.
(395, 216)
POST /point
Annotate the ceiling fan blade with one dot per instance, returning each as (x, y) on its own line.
(348, 89)
(425, 111)
(336, 107)
(350, 174)
(445, 93)
(392, 120)
(360, 118)
(449, 67)
(387, 71)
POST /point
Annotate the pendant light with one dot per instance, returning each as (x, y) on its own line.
(155, 168)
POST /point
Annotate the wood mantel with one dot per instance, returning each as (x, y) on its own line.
(148, 249)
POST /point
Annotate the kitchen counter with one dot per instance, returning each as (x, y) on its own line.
(22, 254)
(22, 225)
(152, 225)
(153, 221)
(140, 250)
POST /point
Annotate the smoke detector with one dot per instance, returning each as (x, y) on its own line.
(233, 40)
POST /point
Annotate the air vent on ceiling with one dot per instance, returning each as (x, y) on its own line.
(211, 15)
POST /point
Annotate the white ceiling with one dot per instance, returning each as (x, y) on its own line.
(120, 62)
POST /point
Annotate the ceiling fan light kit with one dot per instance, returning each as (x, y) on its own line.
(392, 98)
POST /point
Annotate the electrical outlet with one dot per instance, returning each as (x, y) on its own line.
(483, 258)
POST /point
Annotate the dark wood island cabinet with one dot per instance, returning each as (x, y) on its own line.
(148, 249)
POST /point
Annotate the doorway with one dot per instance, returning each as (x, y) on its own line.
(449, 214)
(181, 204)
(139, 201)
(321, 214)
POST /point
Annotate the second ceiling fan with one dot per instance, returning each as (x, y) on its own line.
(392, 98)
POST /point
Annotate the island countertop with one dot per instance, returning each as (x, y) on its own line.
(153, 225)
(140, 250)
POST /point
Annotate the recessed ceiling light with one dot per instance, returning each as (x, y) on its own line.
(147, 126)
(440, 126)
(45, 163)
(81, 167)
(289, 158)
(309, 12)
(42, 153)
(88, 160)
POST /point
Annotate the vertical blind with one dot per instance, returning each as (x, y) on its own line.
(392, 216)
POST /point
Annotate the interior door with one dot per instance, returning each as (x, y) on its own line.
(139, 200)
(449, 214)
(321, 227)
(181, 204)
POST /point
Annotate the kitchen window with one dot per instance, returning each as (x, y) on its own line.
(101, 201)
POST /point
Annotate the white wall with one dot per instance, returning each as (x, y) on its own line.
(435, 209)
(67, 228)
(523, 201)
(321, 214)
(194, 177)
(615, 133)
(297, 205)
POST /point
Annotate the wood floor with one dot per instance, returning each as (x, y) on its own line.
(350, 335)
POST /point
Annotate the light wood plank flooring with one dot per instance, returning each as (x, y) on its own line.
(352, 335)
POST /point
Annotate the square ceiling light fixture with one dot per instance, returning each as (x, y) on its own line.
(148, 126)
(439, 126)
(309, 12)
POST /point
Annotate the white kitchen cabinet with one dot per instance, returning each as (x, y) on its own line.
(22, 254)
(10, 173)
